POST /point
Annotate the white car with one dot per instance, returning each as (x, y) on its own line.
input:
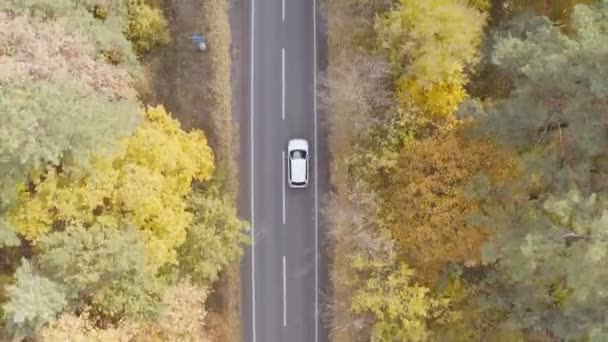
(297, 163)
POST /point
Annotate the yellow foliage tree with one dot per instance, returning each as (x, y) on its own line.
(147, 26)
(434, 40)
(144, 183)
(426, 205)
(438, 100)
(430, 44)
(399, 308)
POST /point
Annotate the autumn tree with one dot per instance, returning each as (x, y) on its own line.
(398, 307)
(182, 318)
(97, 188)
(142, 24)
(49, 50)
(364, 122)
(430, 45)
(107, 34)
(42, 9)
(385, 301)
(427, 207)
(58, 102)
(80, 328)
(147, 27)
(145, 183)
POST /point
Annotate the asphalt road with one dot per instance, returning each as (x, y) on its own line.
(282, 271)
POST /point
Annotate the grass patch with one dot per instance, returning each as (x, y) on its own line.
(218, 96)
(218, 92)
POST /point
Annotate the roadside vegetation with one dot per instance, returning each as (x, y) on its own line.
(196, 87)
(114, 223)
(468, 149)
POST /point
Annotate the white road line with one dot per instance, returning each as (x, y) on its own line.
(283, 8)
(283, 83)
(283, 161)
(284, 293)
(251, 108)
(314, 25)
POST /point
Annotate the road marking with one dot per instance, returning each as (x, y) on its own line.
(283, 8)
(283, 161)
(251, 108)
(314, 28)
(283, 83)
(284, 294)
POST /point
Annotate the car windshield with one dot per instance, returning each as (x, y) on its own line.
(298, 154)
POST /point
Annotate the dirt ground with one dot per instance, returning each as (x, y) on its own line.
(178, 70)
(196, 87)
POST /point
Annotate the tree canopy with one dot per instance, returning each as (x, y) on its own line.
(212, 239)
(427, 207)
(399, 308)
(59, 101)
(430, 45)
(498, 207)
(33, 301)
(559, 86)
(96, 191)
(550, 265)
(101, 265)
(548, 254)
(145, 183)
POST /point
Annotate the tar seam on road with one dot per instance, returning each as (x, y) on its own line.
(314, 29)
(251, 104)
(283, 161)
(283, 83)
(284, 293)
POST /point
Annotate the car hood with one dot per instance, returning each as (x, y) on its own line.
(298, 170)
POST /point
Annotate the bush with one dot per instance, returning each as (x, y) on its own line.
(147, 27)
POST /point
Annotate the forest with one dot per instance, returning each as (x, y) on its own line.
(469, 168)
(113, 222)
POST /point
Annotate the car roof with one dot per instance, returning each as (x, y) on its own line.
(298, 170)
(297, 144)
